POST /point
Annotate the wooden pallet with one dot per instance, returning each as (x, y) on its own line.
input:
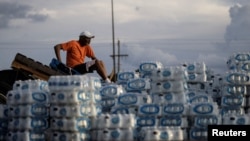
(34, 68)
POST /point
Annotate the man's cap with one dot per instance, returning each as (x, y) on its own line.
(87, 34)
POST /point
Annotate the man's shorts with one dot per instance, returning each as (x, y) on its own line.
(87, 67)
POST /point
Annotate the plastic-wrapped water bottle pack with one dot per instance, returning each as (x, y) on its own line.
(3, 121)
(74, 101)
(239, 61)
(28, 110)
(169, 73)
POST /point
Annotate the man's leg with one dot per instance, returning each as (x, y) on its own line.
(101, 69)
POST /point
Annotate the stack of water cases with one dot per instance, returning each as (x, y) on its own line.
(116, 121)
(239, 61)
(235, 93)
(114, 127)
(165, 118)
(146, 68)
(74, 102)
(3, 122)
(203, 111)
(109, 94)
(197, 74)
(28, 110)
(124, 76)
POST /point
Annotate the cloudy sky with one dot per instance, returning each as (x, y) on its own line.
(168, 31)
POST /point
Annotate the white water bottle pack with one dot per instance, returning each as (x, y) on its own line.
(3, 111)
(74, 97)
(30, 110)
(200, 98)
(175, 109)
(240, 66)
(150, 109)
(173, 120)
(34, 85)
(126, 75)
(107, 104)
(196, 67)
(168, 97)
(233, 100)
(237, 58)
(169, 86)
(138, 84)
(74, 124)
(203, 108)
(115, 134)
(69, 136)
(169, 74)
(124, 110)
(113, 121)
(202, 121)
(162, 134)
(15, 97)
(198, 134)
(112, 90)
(3, 121)
(149, 66)
(234, 90)
(26, 136)
(28, 123)
(236, 78)
(197, 77)
(132, 99)
(87, 109)
(3, 124)
(232, 119)
(232, 110)
(147, 121)
(74, 82)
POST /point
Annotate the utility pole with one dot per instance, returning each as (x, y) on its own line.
(119, 55)
(113, 39)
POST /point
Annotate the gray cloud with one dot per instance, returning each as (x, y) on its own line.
(13, 10)
(239, 28)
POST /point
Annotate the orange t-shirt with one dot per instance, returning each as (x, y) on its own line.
(76, 53)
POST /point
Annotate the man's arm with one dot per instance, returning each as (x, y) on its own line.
(57, 49)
